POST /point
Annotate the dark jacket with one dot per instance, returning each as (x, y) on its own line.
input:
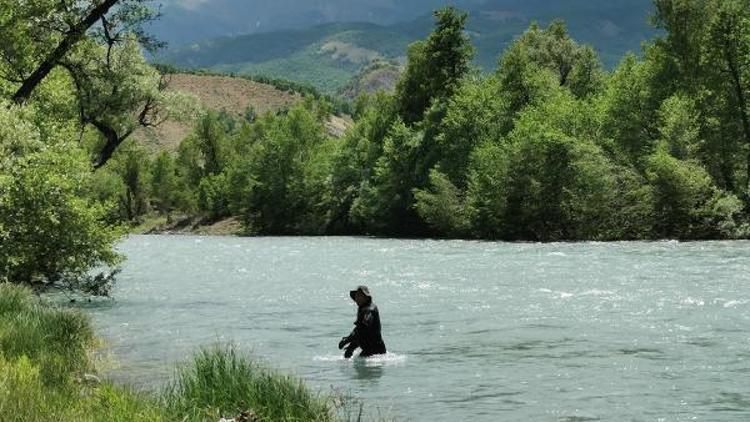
(366, 333)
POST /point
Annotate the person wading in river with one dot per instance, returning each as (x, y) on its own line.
(366, 333)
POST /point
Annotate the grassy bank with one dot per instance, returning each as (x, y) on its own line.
(47, 374)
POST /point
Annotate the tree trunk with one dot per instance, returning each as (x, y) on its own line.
(72, 37)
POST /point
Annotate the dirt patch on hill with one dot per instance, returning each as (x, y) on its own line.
(233, 95)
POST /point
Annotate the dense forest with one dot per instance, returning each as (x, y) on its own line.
(548, 146)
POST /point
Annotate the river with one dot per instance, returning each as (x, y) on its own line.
(477, 331)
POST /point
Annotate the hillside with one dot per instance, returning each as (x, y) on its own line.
(188, 21)
(224, 93)
(329, 56)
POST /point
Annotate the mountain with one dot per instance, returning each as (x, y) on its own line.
(329, 56)
(188, 21)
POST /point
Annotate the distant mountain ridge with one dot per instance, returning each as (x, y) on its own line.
(330, 55)
(188, 21)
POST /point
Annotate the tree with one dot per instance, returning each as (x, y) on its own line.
(39, 35)
(477, 113)
(705, 54)
(729, 46)
(575, 67)
(51, 232)
(681, 188)
(442, 206)
(210, 138)
(131, 163)
(680, 127)
(164, 184)
(631, 113)
(275, 198)
(385, 203)
(434, 67)
(353, 163)
(117, 92)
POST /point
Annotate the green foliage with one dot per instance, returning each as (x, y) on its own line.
(478, 112)
(681, 189)
(132, 165)
(211, 142)
(442, 206)
(222, 381)
(385, 204)
(631, 112)
(51, 231)
(436, 66)
(704, 54)
(680, 127)
(164, 183)
(279, 199)
(213, 196)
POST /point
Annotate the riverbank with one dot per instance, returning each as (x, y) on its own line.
(48, 373)
(189, 226)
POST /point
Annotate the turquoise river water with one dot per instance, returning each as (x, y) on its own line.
(477, 331)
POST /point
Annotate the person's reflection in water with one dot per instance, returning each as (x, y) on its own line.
(368, 370)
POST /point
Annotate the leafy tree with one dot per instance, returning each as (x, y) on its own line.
(631, 114)
(442, 206)
(704, 53)
(38, 35)
(354, 161)
(575, 66)
(488, 188)
(213, 196)
(165, 184)
(478, 112)
(133, 166)
(385, 204)
(51, 231)
(728, 49)
(117, 92)
(436, 66)
(681, 188)
(276, 199)
(211, 140)
(680, 127)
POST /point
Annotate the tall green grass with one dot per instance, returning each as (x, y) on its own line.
(44, 355)
(56, 340)
(221, 381)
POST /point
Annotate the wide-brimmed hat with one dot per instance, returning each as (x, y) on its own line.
(365, 291)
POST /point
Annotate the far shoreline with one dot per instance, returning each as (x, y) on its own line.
(232, 227)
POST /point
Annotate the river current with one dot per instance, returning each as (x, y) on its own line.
(477, 331)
